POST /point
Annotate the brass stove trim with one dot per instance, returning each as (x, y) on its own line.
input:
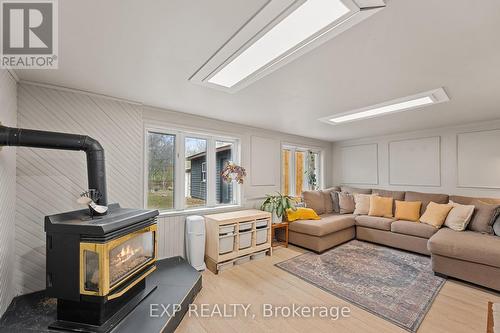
(102, 250)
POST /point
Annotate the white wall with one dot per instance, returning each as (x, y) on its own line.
(50, 181)
(428, 160)
(8, 117)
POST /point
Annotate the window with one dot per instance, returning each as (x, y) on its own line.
(300, 170)
(204, 171)
(198, 160)
(196, 157)
(224, 152)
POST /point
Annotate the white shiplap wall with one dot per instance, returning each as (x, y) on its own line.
(49, 181)
(171, 236)
(8, 117)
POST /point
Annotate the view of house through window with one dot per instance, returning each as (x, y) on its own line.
(300, 170)
(161, 170)
(223, 155)
(196, 168)
(200, 183)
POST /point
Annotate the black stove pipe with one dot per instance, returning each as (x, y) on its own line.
(96, 170)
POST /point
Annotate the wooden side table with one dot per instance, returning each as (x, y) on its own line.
(274, 227)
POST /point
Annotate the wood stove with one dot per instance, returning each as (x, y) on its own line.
(96, 264)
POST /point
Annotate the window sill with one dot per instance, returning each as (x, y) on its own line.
(200, 211)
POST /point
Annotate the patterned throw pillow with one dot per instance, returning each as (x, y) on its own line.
(346, 203)
(496, 226)
(335, 201)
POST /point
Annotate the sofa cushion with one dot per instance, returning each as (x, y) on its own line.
(459, 216)
(484, 217)
(413, 229)
(381, 206)
(335, 201)
(332, 189)
(362, 202)
(314, 200)
(408, 210)
(327, 199)
(496, 226)
(425, 198)
(351, 190)
(301, 213)
(396, 195)
(326, 225)
(374, 222)
(466, 245)
(436, 214)
(346, 203)
(468, 200)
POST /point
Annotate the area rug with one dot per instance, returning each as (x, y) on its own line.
(395, 285)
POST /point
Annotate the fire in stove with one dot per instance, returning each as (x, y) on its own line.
(127, 253)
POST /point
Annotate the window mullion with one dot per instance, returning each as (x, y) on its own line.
(180, 165)
(211, 173)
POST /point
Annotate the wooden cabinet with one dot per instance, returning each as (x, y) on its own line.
(236, 236)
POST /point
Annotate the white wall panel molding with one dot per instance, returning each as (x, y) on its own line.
(360, 164)
(478, 159)
(415, 162)
(265, 152)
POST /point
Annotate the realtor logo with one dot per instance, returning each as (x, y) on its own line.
(29, 34)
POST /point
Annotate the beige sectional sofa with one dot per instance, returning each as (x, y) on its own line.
(466, 255)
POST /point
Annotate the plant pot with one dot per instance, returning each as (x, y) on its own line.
(276, 218)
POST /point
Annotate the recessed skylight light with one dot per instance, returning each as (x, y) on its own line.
(306, 21)
(398, 105)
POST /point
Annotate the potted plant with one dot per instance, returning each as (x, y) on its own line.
(277, 205)
(311, 171)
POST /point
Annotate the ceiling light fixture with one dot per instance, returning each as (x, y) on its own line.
(398, 105)
(278, 33)
(301, 24)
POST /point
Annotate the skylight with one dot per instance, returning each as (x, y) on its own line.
(399, 105)
(295, 29)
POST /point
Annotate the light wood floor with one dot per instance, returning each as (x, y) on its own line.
(459, 307)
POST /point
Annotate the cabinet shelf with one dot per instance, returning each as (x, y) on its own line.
(222, 228)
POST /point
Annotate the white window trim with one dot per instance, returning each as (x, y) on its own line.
(179, 168)
(204, 172)
(301, 148)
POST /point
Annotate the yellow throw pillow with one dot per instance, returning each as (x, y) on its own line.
(301, 213)
(435, 214)
(380, 206)
(408, 210)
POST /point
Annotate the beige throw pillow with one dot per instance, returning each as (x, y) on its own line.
(380, 206)
(362, 202)
(346, 203)
(459, 216)
(435, 214)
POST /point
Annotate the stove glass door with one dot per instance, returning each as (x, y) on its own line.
(130, 255)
